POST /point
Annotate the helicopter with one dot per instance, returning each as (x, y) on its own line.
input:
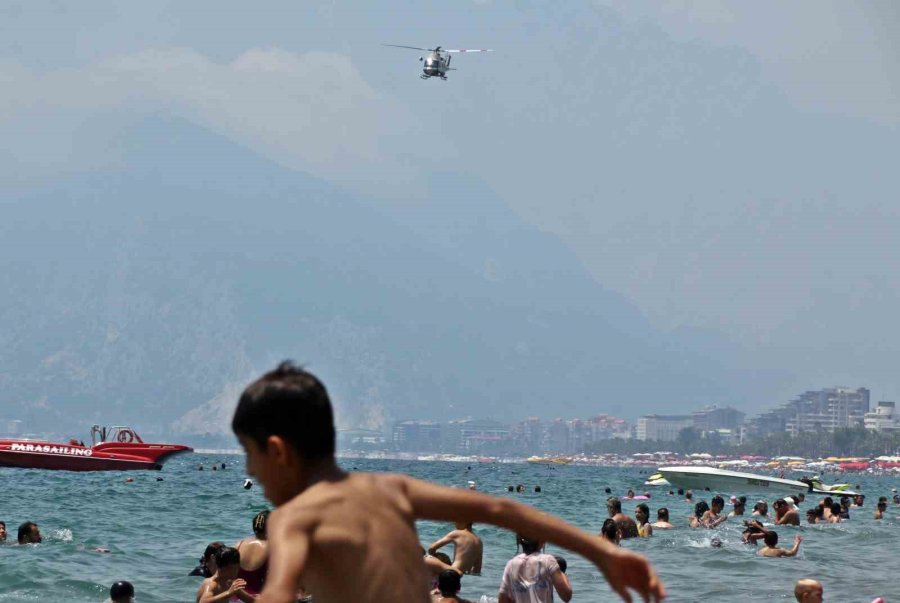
(437, 63)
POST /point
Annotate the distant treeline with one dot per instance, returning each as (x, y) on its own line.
(842, 442)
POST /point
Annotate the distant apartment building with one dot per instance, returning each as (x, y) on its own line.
(713, 418)
(477, 436)
(417, 436)
(883, 418)
(662, 428)
(816, 411)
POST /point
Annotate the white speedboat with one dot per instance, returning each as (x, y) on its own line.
(723, 480)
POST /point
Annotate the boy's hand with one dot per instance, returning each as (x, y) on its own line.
(625, 570)
(236, 585)
(798, 539)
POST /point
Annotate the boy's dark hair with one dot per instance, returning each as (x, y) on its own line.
(689, 495)
(211, 549)
(292, 403)
(227, 556)
(680, 491)
(529, 545)
(836, 509)
(771, 538)
(449, 582)
(828, 501)
(562, 563)
(700, 508)
(743, 499)
(718, 500)
(662, 514)
(610, 529)
(121, 589)
(25, 531)
(259, 524)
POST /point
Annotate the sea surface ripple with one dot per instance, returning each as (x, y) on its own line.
(156, 531)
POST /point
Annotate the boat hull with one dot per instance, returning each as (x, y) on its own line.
(719, 480)
(109, 456)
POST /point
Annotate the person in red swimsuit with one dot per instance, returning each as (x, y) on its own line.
(255, 556)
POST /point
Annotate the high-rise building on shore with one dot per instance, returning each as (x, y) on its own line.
(816, 411)
(662, 428)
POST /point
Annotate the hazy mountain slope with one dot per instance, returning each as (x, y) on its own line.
(141, 292)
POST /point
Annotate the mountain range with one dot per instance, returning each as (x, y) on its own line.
(151, 290)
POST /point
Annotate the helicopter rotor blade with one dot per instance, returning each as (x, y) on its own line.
(469, 50)
(410, 47)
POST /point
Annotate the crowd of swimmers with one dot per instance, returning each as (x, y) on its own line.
(328, 520)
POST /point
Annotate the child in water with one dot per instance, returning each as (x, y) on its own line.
(352, 535)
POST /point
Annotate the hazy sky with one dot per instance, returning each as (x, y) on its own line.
(725, 165)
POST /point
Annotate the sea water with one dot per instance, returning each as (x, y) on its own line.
(157, 530)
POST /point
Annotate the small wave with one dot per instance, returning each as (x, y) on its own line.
(62, 535)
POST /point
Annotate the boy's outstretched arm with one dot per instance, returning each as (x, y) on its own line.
(623, 569)
(438, 544)
(288, 552)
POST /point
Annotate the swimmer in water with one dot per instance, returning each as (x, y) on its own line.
(29, 533)
(207, 565)
(662, 520)
(753, 533)
(713, 517)
(121, 592)
(740, 505)
(225, 585)
(627, 526)
(629, 495)
(808, 591)
(761, 510)
(642, 514)
(771, 549)
(2, 531)
(689, 497)
(448, 586)
(610, 531)
(785, 515)
(532, 576)
(700, 509)
(467, 548)
(880, 508)
(255, 556)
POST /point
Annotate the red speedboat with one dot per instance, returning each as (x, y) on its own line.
(112, 449)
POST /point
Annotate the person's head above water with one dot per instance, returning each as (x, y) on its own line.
(662, 514)
(2, 531)
(29, 533)
(121, 592)
(700, 508)
(718, 503)
(688, 495)
(285, 422)
(613, 505)
(449, 582)
(259, 524)
(610, 531)
(228, 563)
(808, 591)
(642, 512)
(771, 538)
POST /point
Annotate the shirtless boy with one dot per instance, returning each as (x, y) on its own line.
(771, 549)
(448, 587)
(468, 549)
(224, 585)
(662, 520)
(351, 536)
(627, 526)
